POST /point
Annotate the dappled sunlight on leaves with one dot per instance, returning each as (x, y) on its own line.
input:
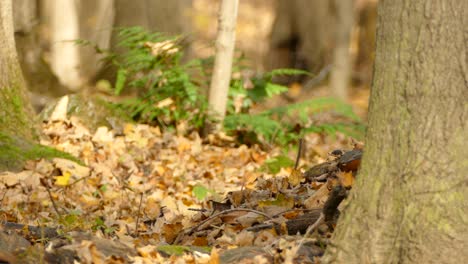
(145, 189)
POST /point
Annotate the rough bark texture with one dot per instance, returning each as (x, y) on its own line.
(15, 110)
(224, 52)
(410, 199)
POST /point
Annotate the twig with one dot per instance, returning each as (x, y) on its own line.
(318, 78)
(44, 183)
(291, 210)
(138, 215)
(3, 197)
(310, 229)
(329, 211)
(198, 209)
(299, 153)
(195, 228)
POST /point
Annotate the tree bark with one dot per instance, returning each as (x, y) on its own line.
(15, 110)
(225, 43)
(410, 199)
(341, 70)
(73, 20)
(302, 35)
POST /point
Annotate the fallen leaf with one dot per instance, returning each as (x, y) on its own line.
(295, 177)
(64, 179)
(60, 110)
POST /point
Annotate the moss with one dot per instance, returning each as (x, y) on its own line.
(15, 118)
(15, 151)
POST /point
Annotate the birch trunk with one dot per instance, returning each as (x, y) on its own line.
(225, 43)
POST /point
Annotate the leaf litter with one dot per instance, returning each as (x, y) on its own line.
(146, 196)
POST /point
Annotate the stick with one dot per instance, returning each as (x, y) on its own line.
(195, 228)
(138, 217)
(44, 183)
(299, 152)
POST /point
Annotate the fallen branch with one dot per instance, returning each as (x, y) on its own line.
(209, 219)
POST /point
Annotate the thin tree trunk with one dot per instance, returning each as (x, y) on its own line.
(341, 70)
(224, 52)
(65, 57)
(410, 199)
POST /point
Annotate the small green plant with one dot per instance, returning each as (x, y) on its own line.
(151, 67)
(275, 164)
(201, 192)
(99, 224)
(241, 98)
(284, 125)
(169, 92)
(72, 220)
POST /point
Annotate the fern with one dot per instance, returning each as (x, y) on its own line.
(289, 72)
(151, 66)
(279, 125)
(314, 106)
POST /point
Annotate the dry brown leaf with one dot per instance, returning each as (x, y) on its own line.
(245, 238)
(75, 169)
(148, 251)
(60, 111)
(296, 177)
(318, 199)
(346, 178)
(214, 258)
(103, 135)
(248, 219)
(264, 238)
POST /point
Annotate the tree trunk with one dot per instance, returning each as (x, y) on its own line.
(42, 83)
(302, 36)
(171, 17)
(72, 20)
(15, 110)
(410, 199)
(224, 52)
(341, 70)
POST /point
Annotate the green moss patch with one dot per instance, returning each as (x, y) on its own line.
(15, 151)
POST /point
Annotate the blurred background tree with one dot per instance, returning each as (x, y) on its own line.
(271, 34)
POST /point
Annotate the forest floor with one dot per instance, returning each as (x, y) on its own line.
(144, 196)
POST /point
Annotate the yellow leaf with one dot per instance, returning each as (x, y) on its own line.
(128, 129)
(295, 178)
(64, 179)
(166, 102)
